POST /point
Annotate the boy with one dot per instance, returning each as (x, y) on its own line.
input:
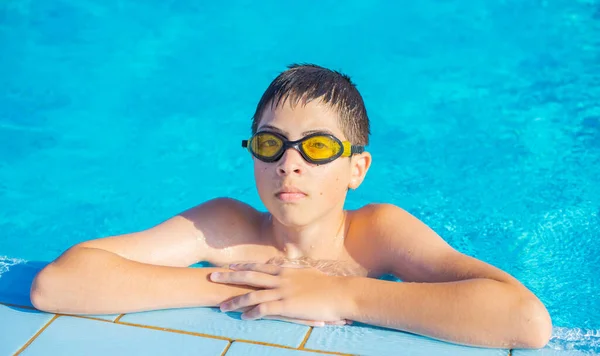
(309, 132)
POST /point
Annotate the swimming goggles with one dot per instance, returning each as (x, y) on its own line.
(317, 148)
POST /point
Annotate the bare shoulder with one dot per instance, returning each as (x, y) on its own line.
(392, 228)
(221, 210)
(386, 222)
(224, 221)
(385, 235)
(414, 252)
(193, 235)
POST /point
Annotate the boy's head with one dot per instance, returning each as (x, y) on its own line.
(308, 82)
(323, 111)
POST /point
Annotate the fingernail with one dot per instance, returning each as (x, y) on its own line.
(245, 316)
(215, 275)
(234, 265)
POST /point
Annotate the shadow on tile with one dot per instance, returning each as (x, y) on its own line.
(24, 311)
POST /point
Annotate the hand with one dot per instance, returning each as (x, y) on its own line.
(285, 293)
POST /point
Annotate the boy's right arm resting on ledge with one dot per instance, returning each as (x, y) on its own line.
(94, 281)
(141, 271)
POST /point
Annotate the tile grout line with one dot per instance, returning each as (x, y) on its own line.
(118, 321)
(227, 348)
(73, 315)
(310, 329)
(336, 353)
(88, 317)
(289, 347)
(36, 335)
(173, 330)
(302, 345)
(222, 337)
(60, 314)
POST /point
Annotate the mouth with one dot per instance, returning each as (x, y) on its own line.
(290, 194)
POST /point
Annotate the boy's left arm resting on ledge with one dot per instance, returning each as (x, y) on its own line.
(476, 312)
(445, 294)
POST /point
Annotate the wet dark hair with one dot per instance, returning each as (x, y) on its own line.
(309, 82)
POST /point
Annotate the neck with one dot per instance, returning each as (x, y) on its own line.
(317, 240)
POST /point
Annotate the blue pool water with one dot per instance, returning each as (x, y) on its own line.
(115, 115)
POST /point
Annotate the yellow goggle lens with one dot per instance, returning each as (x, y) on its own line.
(266, 145)
(320, 147)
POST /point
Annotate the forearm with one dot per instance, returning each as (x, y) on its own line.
(94, 281)
(478, 312)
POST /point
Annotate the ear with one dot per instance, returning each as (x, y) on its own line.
(360, 164)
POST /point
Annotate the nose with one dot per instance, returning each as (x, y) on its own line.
(291, 162)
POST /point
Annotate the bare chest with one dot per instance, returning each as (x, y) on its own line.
(352, 259)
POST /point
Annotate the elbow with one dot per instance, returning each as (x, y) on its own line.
(47, 291)
(40, 294)
(536, 329)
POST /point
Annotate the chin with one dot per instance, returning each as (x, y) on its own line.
(289, 214)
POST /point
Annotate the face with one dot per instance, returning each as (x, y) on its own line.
(295, 191)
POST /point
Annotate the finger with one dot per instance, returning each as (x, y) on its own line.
(242, 310)
(257, 267)
(296, 321)
(263, 309)
(248, 278)
(251, 299)
(238, 310)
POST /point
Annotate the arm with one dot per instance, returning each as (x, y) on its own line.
(479, 312)
(94, 281)
(445, 294)
(140, 271)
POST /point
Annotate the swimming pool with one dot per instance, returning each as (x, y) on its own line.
(484, 115)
